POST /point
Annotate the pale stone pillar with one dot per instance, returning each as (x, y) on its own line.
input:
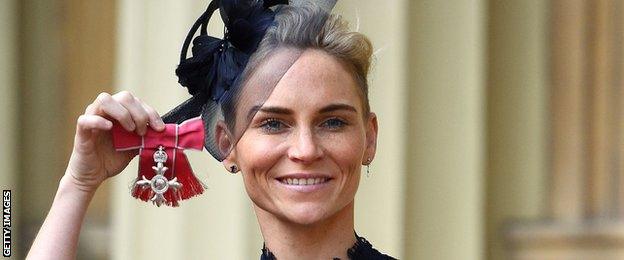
(9, 112)
(517, 124)
(380, 200)
(42, 158)
(446, 144)
(584, 220)
(212, 226)
(8, 99)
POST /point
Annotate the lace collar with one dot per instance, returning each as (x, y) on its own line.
(361, 250)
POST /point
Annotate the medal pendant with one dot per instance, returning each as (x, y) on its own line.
(159, 183)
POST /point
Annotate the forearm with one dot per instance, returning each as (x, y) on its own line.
(58, 236)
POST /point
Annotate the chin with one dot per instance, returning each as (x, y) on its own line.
(305, 214)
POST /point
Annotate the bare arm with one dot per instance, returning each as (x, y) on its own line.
(58, 237)
(93, 160)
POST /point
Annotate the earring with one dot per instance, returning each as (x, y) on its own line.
(233, 169)
(368, 162)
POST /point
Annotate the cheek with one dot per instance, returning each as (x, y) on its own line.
(256, 156)
(346, 154)
(346, 150)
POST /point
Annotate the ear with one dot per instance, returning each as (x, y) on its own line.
(371, 137)
(225, 144)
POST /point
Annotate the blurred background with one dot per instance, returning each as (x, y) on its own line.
(501, 127)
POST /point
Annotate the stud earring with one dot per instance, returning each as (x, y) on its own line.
(233, 169)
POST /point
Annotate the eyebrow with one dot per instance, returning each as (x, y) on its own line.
(287, 111)
(334, 107)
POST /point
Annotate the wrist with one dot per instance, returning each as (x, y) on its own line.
(70, 194)
(71, 183)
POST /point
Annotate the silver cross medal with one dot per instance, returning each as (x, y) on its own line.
(159, 183)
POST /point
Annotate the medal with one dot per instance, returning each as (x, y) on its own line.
(165, 176)
(159, 183)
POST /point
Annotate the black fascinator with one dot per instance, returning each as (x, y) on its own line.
(215, 67)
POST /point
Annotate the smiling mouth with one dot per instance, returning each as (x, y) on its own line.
(303, 181)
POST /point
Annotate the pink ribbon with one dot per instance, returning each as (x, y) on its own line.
(174, 139)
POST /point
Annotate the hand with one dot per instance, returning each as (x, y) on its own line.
(94, 159)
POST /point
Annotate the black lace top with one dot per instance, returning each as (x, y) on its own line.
(361, 250)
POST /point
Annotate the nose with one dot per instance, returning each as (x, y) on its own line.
(304, 147)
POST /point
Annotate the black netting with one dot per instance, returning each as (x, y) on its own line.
(226, 94)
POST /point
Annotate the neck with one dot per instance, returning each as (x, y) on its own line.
(328, 239)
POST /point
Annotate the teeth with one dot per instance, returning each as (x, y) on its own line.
(302, 181)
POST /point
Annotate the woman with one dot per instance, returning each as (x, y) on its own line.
(298, 128)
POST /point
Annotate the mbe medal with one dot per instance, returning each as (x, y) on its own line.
(159, 183)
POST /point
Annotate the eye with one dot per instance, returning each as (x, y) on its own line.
(272, 125)
(334, 123)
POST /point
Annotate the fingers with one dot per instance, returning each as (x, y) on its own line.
(137, 112)
(105, 105)
(132, 113)
(155, 121)
(93, 122)
(87, 123)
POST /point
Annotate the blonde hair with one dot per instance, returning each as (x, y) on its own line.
(308, 26)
